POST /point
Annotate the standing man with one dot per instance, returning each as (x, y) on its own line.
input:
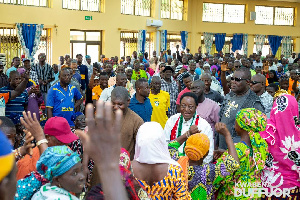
(258, 85)
(121, 80)
(131, 121)
(98, 89)
(160, 101)
(33, 74)
(170, 86)
(239, 98)
(61, 62)
(45, 75)
(63, 98)
(16, 64)
(140, 102)
(3, 77)
(208, 92)
(83, 70)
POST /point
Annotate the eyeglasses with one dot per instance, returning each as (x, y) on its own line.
(189, 107)
(238, 79)
(254, 82)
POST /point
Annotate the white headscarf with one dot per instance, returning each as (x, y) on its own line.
(151, 146)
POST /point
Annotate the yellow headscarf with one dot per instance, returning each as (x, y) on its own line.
(197, 146)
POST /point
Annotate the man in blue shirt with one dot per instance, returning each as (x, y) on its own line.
(140, 103)
(83, 70)
(16, 63)
(62, 96)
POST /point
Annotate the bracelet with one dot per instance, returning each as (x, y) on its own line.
(42, 142)
(17, 153)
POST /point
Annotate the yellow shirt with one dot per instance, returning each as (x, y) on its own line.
(96, 92)
(160, 104)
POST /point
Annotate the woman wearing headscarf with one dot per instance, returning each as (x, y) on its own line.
(273, 77)
(200, 175)
(283, 137)
(166, 180)
(61, 177)
(252, 152)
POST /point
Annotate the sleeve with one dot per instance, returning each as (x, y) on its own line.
(50, 98)
(206, 129)
(168, 101)
(215, 114)
(51, 73)
(104, 95)
(173, 149)
(178, 99)
(168, 129)
(26, 98)
(87, 77)
(95, 95)
(258, 105)
(181, 186)
(77, 94)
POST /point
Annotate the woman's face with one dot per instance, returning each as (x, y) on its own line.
(271, 75)
(213, 71)
(73, 180)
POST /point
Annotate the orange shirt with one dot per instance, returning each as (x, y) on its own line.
(27, 164)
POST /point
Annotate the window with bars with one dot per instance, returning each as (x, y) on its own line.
(226, 48)
(39, 3)
(227, 13)
(129, 40)
(274, 15)
(11, 47)
(266, 49)
(86, 5)
(86, 42)
(136, 7)
(172, 9)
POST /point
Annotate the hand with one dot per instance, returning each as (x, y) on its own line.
(26, 75)
(222, 129)
(218, 153)
(27, 146)
(32, 125)
(102, 142)
(224, 66)
(194, 129)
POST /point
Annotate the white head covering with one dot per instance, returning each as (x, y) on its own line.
(151, 146)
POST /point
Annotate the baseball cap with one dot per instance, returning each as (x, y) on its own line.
(60, 129)
(26, 59)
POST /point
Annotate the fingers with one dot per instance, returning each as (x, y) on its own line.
(89, 113)
(34, 117)
(108, 117)
(118, 122)
(83, 137)
(100, 113)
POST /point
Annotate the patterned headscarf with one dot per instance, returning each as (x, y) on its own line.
(254, 121)
(197, 146)
(7, 158)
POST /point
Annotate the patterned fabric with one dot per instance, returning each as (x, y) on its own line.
(201, 178)
(141, 41)
(286, 49)
(267, 102)
(44, 73)
(171, 187)
(259, 42)
(208, 41)
(283, 137)
(254, 121)
(245, 44)
(53, 192)
(34, 77)
(172, 89)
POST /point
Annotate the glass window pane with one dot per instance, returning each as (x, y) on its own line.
(212, 12)
(177, 9)
(93, 51)
(127, 7)
(142, 7)
(165, 8)
(71, 4)
(93, 36)
(90, 5)
(234, 13)
(264, 15)
(77, 35)
(79, 48)
(39, 3)
(284, 16)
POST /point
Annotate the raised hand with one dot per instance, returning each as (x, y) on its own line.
(221, 128)
(224, 66)
(27, 146)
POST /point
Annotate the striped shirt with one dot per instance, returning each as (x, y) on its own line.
(16, 105)
(172, 89)
(43, 73)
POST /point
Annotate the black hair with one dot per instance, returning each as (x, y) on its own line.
(103, 74)
(186, 75)
(121, 93)
(190, 94)
(6, 122)
(246, 71)
(140, 81)
(78, 55)
(13, 73)
(274, 86)
(15, 58)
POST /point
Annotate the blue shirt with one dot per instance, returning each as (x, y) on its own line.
(62, 101)
(84, 73)
(144, 110)
(17, 105)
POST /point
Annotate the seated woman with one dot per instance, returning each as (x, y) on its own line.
(201, 176)
(252, 153)
(61, 177)
(153, 167)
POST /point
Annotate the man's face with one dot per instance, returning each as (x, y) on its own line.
(188, 82)
(108, 68)
(210, 61)
(279, 69)
(240, 85)
(61, 59)
(206, 69)
(284, 84)
(168, 74)
(136, 66)
(79, 59)
(65, 76)
(197, 89)
(55, 68)
(144, 89)
(67, 57)
(27, 65)
(169, 61)
(103, 81)
(192, 67)
(256, 84)
(42, 57)
(88, 60)
(121, 81)
(207, 82)
(96, 82)
(155, 85)
(15, 80)
(16, 62)
(129, 73)
(271, 91)
(141, 57)
(258, 70)
(120, 70)
(184, 60)
(119, 104)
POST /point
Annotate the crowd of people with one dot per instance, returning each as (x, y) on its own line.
(173, 126)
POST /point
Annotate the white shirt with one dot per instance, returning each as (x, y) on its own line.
(273, 67)
(106, 94)
(267, 102)
(203, 126)
(291, 60)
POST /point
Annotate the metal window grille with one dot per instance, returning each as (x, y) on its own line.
(11, 47)
(274, 15)
(172, 9)
(86, 5)
(39, 3)
(136, 7)
(129, 40)
(228, 13)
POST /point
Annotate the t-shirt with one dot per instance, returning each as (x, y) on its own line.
(144, 110)
(96, 92)
(4, 97)
(160, 104)
(62, 101)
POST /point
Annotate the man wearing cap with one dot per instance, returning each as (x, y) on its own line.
(33, 75)
(62, 96)
(58, 133)
(169, 85)
(3, 77)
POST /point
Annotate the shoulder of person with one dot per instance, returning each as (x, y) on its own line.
(135, 117)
